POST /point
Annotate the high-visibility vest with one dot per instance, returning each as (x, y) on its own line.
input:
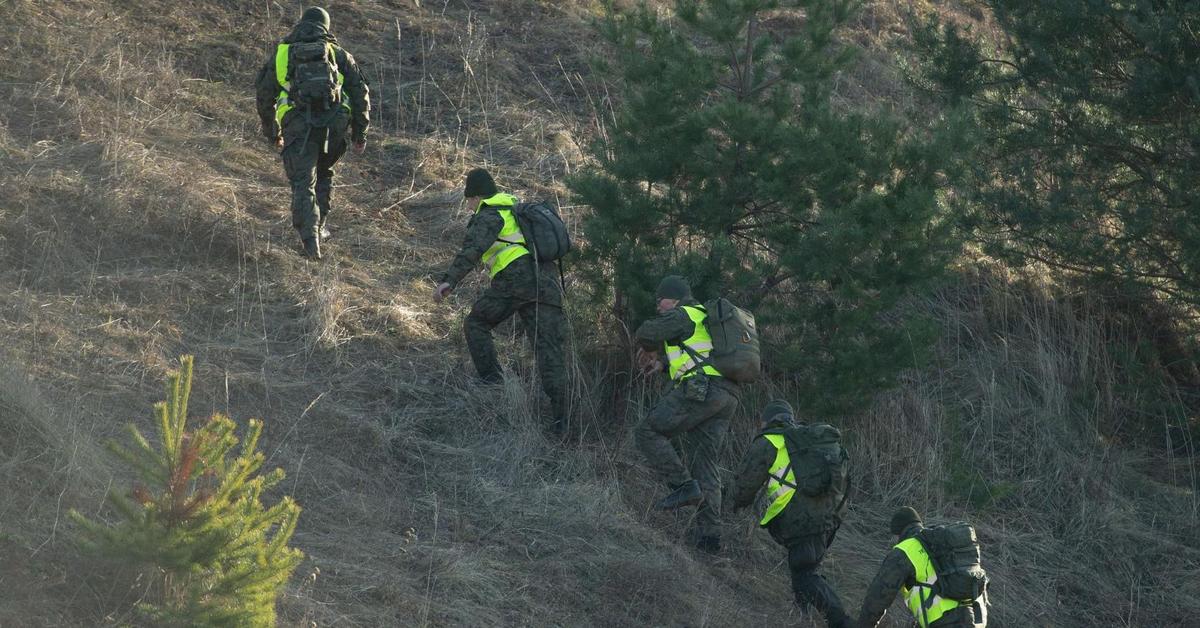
(282, 104)
(510, 242)
(924, 605)
(782, 484)
(680, 362)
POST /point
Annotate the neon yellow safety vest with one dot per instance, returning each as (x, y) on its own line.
(682, 364)
(782, 484)
(282, 104)
(510, 243)
(925, 606)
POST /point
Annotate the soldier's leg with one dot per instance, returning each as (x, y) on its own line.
(810, 589)
(490, 310)
(702, 446)
(545, 325)
(672, 416)
(300, 163)
(338, 139)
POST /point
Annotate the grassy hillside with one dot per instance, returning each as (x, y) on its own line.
(143, 217)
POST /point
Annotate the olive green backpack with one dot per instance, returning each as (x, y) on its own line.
(735, 351)
(954, 550)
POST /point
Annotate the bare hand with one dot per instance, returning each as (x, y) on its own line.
(278, 144)
(648, 362)
(441, 292)
(360, 147)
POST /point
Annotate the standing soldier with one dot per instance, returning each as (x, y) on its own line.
(311, 98)
(937, 571)
(804, 470)
(695, 412)
(520, 285)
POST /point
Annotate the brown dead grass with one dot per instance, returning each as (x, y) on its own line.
(143, 218)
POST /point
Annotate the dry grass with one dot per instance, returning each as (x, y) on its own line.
(143, 219)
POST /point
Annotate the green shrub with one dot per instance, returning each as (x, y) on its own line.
(216, 555)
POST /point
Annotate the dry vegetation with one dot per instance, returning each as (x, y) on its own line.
(142, 217)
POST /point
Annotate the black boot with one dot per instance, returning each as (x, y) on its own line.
(686, 494)
(312, 248)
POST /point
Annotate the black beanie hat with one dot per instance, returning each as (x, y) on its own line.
(778, 410)
(903, 518)
(479, 184)
(673, 287)
(316, 15)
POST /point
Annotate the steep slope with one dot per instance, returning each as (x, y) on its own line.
(143, 217)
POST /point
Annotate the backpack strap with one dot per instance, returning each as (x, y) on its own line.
(700, 361)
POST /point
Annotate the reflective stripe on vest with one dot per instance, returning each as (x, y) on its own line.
(924, 605)
(782, 484)
(282, 104)
(510, 242)
(682, 364)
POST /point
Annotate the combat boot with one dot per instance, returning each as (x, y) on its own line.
(312, 248)
(686, 494)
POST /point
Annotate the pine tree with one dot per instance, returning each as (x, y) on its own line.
(1091, 112)
(729, 163)
(218, 556)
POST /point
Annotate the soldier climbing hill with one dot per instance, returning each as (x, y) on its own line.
(521, 284)
(311, 99)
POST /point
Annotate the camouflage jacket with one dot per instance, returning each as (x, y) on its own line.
(520, 280)
(790, 525)
(482, 231)
(354, 88)
(896, 571)
(673, 326)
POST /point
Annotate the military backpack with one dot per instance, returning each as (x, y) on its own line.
(954, 550)
(735, 351)
(544, 230)
(819, 462)
(313, 76)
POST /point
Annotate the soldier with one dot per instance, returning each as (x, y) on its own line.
(802, 523)
(909, 569)
(311, 98)
(695, 413)
(520, 285)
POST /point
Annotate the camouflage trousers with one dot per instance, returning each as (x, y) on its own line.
(309, 154)
(810, 589)
(679, 429)
(537, 299)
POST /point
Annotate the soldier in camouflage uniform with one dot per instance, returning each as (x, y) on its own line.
(520, 285)
(804, 533)
(899, 572)
(312, 142)
(693, 417)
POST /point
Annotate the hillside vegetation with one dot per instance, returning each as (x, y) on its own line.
(143, 217)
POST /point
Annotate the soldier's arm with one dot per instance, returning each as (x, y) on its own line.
(266, 91)
(753, 471)
(359, 93)
(482, 231)
(895, 571)
(673, 325)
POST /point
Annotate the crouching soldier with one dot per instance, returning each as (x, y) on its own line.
(695, 414)
(804, 468)
(936, 570)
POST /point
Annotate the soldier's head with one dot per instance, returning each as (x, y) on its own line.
(778, 412)
(671, 291)
(316, 15)
(478, 186)
(903, 518)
